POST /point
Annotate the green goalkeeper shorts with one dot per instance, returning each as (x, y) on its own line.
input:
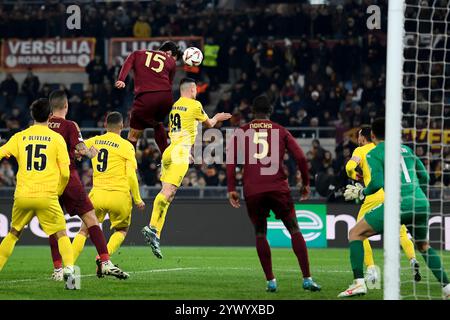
(416, 221)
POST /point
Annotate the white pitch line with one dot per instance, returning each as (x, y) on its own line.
(94, 275)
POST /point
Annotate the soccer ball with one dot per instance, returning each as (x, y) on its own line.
(192, 56)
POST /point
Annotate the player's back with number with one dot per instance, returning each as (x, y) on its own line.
(39, 152)
(109, 166)
(153, 70)
(414, 176)
(263, 154)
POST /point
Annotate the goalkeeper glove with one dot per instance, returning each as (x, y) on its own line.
(353, 192)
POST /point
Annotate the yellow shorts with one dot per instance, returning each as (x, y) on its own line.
(368, 204)
(372, 202)
(47, 210)
(175, 164)
(117, 204)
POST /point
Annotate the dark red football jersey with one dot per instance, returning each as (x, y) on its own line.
(260, 147)
(153, 70)
(71, 134)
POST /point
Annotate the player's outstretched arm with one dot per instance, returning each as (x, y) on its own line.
(10, 148)
(351, 166)
(82, 150)
(134, 185)
(231, 156)
(127, 65)
(219, 117)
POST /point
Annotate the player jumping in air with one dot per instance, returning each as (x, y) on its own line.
(74, 199)
(43, 174)
(184, 117)
(266, 191)
(371, 201)
(154, 71)
(415, 211)
(114, 177)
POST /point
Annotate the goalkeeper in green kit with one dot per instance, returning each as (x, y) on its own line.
(415, 212)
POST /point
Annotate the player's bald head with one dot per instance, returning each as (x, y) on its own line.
(58, 100)
(188, 88)
(114, 120)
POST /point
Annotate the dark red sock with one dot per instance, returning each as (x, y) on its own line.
(160, 137)
(300, 250)
(98, 239)
(134, 143)
(265, 256)
(56, 256)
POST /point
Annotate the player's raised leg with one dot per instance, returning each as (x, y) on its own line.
(408, 248)
(134, 135)
(160, 136)
(152, 232)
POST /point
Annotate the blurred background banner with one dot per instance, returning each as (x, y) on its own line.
(189, 224)
(120, 48)
(47, 54)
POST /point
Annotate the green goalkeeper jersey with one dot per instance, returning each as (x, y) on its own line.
(414, 177)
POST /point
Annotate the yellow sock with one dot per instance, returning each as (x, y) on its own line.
(6, 248)
(406, 243)
(368, 255)
(66, 251)
(160, 207)
(115, 242)
(78, 245)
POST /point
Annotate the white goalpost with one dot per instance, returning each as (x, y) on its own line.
(394, 76)
(417, 115)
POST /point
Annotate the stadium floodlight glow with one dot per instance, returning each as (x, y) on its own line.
(394, 77)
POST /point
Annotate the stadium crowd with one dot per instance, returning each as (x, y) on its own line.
(319, 65)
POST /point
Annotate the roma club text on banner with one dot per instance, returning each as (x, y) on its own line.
(120, 48)
(51, 54)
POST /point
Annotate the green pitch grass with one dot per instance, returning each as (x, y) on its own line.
(192, 273)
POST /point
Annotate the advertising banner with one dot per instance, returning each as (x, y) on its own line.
(120, 48)
(51, 54)
(216, 223)
(312, 220)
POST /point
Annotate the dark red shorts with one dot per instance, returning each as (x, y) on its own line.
(150, 108)
(74, 198)
(259, 205)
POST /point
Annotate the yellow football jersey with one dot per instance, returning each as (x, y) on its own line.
(110, 164)
(40, 153)
(183, 121)
(361, 153)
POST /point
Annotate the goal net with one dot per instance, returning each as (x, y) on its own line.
(425, 127)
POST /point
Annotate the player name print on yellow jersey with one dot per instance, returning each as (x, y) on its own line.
(109, 166)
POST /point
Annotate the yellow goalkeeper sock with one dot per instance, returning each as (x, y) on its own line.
(406, 243)
(78, 245)
(6, 248)
(115, 241)
(66, 251)
(368, 254)
(160, 207)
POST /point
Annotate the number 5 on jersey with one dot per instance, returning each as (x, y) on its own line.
(261, 138)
